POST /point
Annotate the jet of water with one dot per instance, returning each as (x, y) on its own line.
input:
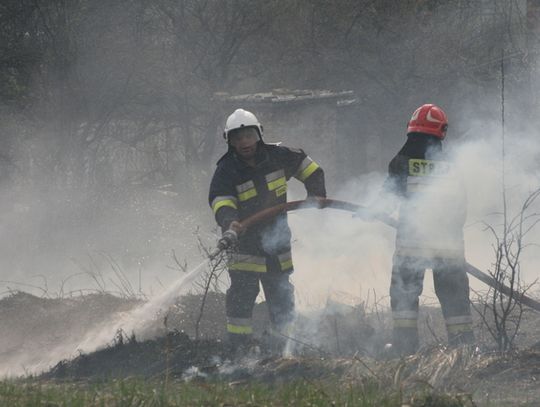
(138, 319)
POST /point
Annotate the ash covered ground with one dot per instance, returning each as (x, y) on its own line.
(339, 342)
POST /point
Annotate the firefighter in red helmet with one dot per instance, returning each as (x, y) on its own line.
(430, 232)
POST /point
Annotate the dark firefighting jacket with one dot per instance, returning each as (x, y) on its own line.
(239, 190)
(432, 200)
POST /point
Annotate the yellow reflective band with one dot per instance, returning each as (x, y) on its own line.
(257, 268)
(458, 328)
(310, 169)
(405, 323)
(245, 186)
(287, 264)
(281, 190)
(239, 329)
(277, 183)
(285, 261)
(225, 202)
(250, 193)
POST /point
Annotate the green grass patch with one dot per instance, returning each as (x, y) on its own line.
(137, 392)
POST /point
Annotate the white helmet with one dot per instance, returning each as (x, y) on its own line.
(241, 118)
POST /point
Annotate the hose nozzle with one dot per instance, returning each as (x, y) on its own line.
(228, 240)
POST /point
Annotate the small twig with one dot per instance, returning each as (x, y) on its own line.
(181, 266)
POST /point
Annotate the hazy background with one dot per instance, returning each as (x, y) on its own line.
(110, 127)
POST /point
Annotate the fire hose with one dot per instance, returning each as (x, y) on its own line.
(322, 203)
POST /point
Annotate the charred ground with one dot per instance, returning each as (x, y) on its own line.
(347, 349)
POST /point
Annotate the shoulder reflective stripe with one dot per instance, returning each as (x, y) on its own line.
(221, 201)
(246, 262)
(405, 323)
(463, 319)
(306, 168)
(245, 186)
(239, 329)
(308, 171)
(303, 165)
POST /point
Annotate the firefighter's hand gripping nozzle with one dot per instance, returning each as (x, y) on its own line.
(228, 240)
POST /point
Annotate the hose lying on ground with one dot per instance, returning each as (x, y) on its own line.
(321, 203)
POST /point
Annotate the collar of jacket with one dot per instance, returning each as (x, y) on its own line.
(420, 145)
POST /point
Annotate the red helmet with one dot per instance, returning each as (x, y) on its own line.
(429, 119)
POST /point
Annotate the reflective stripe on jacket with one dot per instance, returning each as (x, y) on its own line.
(239, 190)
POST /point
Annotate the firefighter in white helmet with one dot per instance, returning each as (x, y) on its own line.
(250, 177)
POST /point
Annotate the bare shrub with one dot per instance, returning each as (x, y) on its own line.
(501, 311)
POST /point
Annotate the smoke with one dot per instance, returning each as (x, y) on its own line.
(275, 238)
(334, 252)
(56, 242)
(139, 321)
(59, 241)
(481, 162)
(349, 259)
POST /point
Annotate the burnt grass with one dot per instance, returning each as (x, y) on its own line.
(342, 343)
(34, 326)
(172, 354)
(37, 325)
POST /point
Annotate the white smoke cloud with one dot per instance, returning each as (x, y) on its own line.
(336, 253)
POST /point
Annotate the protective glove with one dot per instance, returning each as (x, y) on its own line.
(237, 227)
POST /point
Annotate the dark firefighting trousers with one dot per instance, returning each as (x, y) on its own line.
(240, 300)
(452, 288)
